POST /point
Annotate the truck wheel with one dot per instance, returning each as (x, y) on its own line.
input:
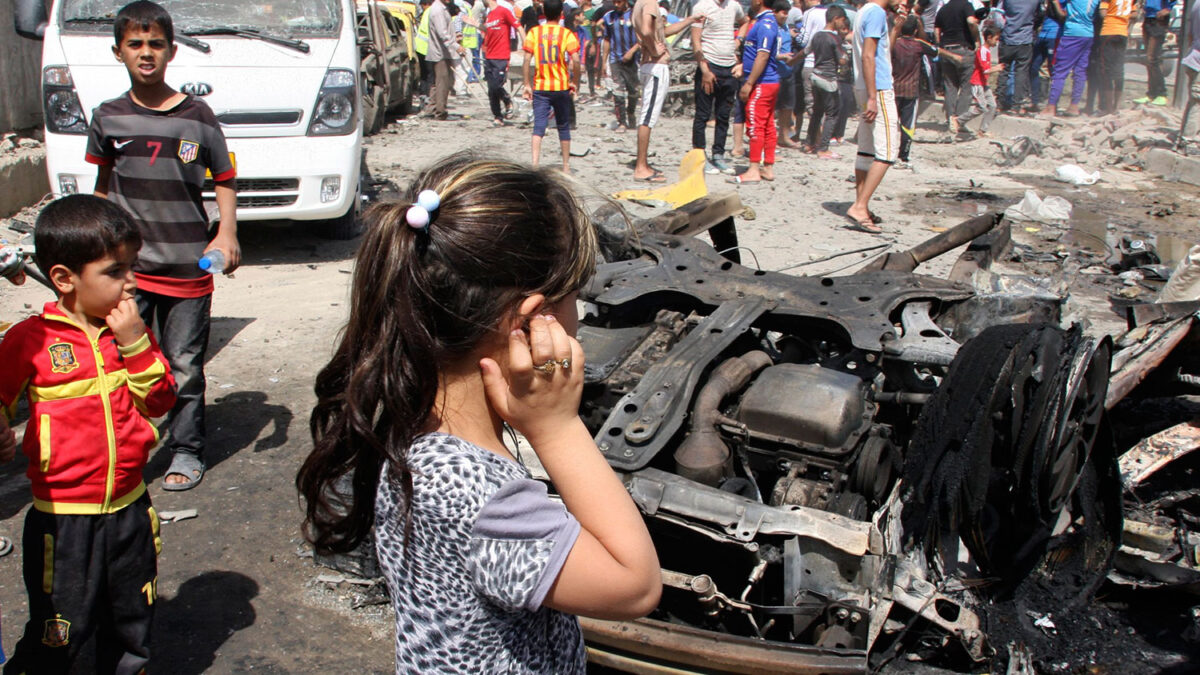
(374, 108)
(346, 226)
(1001, 447)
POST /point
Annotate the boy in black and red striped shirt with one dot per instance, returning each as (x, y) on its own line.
(154, 146)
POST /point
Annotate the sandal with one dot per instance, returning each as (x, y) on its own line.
(863, 226)
(189, 466)
(656, 177)
(738, 180)
(875, 218)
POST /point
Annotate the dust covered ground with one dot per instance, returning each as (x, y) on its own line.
(238, 590)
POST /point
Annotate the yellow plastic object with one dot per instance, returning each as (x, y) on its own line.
(690, 187)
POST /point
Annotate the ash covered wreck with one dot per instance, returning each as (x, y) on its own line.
(846, 474)
(840, 470)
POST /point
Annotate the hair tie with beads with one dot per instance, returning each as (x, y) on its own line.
(419, 215)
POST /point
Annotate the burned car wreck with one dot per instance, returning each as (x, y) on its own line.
(838, 470)
(845, 472)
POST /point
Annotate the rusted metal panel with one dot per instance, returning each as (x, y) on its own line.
(697, 216)
(1149, 312)
(1154, 452)
(650, 646)
(1140, 351)
(982, 252)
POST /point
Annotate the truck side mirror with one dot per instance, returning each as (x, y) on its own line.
(30, 18)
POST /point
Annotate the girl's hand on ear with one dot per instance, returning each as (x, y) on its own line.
(535, 398)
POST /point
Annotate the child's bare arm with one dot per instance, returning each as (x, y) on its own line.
(8, 440)
(103, 174)
(612, 571)
(227, 239)
(527, 76)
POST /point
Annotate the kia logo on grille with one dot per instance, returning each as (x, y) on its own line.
(197, 88)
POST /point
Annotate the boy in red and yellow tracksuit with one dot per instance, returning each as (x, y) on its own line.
(93, 376)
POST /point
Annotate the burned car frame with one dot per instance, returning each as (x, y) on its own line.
(835, 469)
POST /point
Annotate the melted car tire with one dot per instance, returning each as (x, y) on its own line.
(997, 438)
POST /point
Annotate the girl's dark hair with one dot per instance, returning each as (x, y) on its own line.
(143, 14)
(78, 229)
(910, 26)
(421, 300)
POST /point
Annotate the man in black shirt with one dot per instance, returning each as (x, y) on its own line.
(957, 30)
(531, 16)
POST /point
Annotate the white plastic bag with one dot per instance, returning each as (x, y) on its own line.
(1184, 284)
(1075, 175)
(1052, 209)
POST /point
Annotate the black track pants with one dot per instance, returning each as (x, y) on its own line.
(89, 575)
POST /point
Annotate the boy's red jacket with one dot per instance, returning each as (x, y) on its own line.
(90, 403)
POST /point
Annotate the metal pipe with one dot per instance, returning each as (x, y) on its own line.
(703, 456)
(901, 397)
(647, 642)
(907, 261)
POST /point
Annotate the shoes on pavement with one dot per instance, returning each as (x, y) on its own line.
(718, 164)
(1142, 101)
(1161, 100)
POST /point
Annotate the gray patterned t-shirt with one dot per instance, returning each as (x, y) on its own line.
(487, 545)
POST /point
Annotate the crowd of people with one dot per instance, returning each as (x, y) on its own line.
(762, 70)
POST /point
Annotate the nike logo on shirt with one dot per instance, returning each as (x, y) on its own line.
(121, 144)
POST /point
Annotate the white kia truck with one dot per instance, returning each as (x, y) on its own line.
(282, 76)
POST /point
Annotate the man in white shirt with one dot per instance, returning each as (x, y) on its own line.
(715, 46)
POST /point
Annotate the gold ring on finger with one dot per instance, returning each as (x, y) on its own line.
(547, 368)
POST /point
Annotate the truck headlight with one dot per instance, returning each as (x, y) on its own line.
(60, 103)
(335, 112)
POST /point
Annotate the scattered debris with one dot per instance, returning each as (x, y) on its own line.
(1052, 209)
(1042, 621)
(176, 516)
(1012, 155)
(1075, 175)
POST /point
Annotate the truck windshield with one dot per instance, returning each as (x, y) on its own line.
(307, 18)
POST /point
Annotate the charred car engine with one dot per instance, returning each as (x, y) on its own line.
(761, 422)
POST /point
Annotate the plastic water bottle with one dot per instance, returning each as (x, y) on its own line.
(10, 262)
(213, 262)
